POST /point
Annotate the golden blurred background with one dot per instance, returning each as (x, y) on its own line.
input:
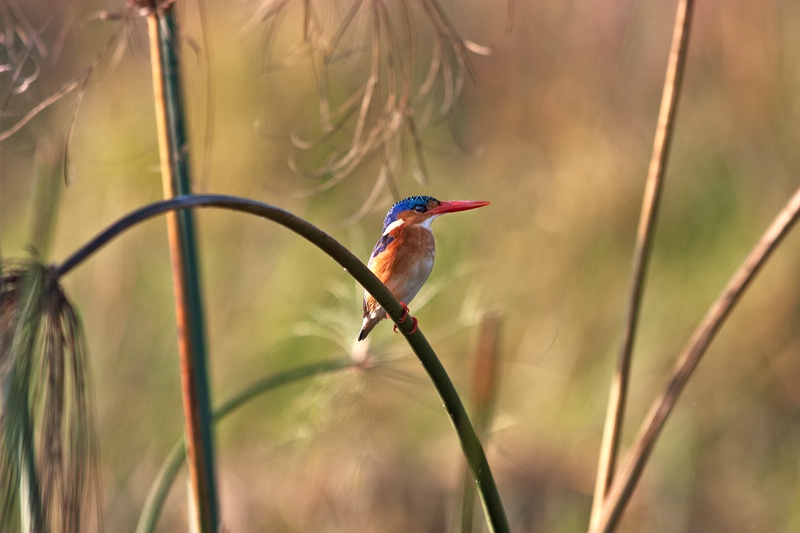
(558, 123)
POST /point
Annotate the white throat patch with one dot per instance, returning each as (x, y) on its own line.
(427, 222)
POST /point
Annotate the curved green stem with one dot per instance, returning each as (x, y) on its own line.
(471, 446)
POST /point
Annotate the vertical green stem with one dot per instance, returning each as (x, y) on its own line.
(185, 269)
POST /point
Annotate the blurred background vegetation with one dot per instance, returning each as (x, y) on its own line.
(559, 122)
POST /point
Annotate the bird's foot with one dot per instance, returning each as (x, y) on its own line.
(405, 312)
(403, 319)
(413, 329)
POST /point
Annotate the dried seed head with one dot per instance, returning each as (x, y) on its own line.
(47, 449)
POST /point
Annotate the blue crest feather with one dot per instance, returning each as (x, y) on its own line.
(404, 205)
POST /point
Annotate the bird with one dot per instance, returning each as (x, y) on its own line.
(403, 256)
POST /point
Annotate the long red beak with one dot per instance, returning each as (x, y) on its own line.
(458, 205)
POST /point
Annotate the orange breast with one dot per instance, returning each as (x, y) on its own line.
(407, 261)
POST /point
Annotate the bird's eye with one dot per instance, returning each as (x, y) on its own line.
(420, 209)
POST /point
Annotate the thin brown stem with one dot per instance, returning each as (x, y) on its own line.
(631, 471)
(658, 164)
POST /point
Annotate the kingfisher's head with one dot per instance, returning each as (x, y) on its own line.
(422, 210)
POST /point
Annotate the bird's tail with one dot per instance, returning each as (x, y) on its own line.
(370, 321)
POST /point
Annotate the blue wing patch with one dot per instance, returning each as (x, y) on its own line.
(381, 245)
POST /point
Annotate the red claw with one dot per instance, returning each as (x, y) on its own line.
(403, 319)
(405, 312)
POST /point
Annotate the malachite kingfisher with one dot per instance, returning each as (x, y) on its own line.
(403, 257)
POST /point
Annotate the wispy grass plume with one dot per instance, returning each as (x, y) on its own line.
(47, 449)
(406, 65)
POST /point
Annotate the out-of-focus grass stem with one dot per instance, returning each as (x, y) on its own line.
(658, 163)
(631, 471)
(169, 470)
(485, 385)
(164, 51)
